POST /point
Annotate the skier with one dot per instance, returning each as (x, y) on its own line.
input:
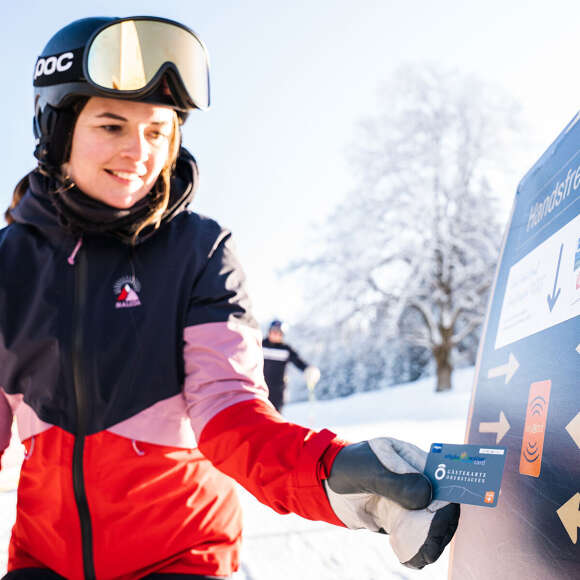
(132, 415)
(277, 354)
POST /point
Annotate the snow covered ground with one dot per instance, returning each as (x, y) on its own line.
(290, 548)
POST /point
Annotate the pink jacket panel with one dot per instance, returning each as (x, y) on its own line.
(223, 366)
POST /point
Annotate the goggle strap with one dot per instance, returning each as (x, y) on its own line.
(65, 67)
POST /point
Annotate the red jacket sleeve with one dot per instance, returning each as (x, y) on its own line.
(280, 463)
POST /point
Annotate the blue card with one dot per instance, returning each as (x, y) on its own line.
(466, 473)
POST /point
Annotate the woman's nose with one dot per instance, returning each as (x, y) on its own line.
(136, 146)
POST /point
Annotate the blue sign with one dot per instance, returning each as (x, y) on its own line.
(526, 395)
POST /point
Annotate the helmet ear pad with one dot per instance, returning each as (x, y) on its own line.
(53, 129)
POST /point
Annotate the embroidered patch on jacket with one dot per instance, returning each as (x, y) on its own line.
(127, 291)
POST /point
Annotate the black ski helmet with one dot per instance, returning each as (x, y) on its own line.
(138, 58)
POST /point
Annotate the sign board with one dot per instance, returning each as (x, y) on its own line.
(526, 394)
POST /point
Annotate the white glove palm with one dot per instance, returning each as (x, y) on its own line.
(391, 496)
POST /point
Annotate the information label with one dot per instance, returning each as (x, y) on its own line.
(543, 288)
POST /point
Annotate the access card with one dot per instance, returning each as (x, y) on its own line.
(468, 474)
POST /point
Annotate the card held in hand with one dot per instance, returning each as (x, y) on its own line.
(465, 473)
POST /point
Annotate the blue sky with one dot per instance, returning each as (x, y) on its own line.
(289, 82)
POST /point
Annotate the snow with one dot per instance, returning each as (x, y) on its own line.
(291, 548)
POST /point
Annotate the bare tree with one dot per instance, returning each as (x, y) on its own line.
(413, 249)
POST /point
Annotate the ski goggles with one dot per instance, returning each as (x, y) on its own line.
(129, 57)
(133, 58)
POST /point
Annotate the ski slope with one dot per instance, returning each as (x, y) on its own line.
(290, 548)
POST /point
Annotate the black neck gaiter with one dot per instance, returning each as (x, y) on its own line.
(80, 213)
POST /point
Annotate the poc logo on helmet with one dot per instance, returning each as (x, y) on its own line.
(51, 64)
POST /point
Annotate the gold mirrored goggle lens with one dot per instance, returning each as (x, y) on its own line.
(127, 55)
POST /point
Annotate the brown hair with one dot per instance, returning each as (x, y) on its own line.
(162, 188)
(160, 193)
(19, 191)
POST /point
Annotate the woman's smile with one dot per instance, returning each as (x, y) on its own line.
(119, 149)
(127, 177)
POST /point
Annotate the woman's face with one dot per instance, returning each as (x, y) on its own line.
(119, 149)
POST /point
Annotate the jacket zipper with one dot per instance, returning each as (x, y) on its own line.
(82, 407)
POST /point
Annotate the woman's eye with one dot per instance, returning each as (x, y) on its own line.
(158, 136)
(111, 128)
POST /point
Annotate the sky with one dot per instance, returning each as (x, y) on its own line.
(289, 83)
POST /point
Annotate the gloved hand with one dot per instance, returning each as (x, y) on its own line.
(379, 485)
(312, 376)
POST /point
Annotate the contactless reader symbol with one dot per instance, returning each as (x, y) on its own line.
(440, 472)
(534, 429)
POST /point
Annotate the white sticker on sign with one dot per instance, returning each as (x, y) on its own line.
(543, 288)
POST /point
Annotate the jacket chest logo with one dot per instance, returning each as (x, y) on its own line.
(127, 290)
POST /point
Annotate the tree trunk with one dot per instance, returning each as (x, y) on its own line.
(442, 354)
(444, 371)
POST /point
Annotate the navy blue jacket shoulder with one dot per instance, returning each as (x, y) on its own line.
(97, 315)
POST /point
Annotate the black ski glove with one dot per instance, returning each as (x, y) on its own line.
(379, 485)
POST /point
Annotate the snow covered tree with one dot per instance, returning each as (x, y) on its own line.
(412, 251)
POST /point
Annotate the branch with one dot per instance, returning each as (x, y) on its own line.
(388, 296)
(425, 314)
(418, 340)
(457, 339)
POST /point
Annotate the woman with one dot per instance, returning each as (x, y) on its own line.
(128, 353)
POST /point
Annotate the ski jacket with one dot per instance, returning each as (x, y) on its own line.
(135, 376)
(276, 356)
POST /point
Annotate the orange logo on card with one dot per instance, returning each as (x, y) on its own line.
(489, 496)
(535, 428)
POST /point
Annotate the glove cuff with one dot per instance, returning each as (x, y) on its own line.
(417, 537)
(350, 509)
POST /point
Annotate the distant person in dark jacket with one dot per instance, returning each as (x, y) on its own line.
(277, 354)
